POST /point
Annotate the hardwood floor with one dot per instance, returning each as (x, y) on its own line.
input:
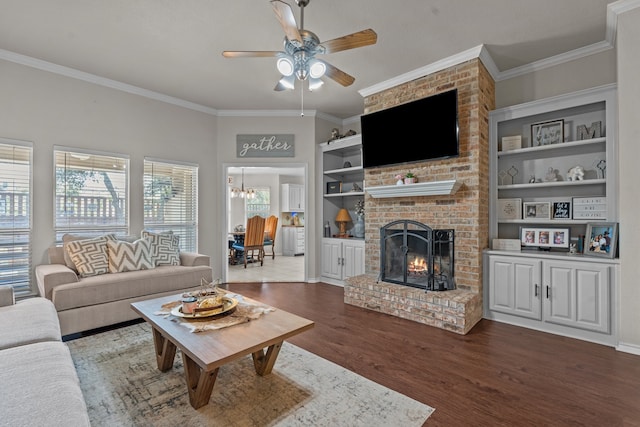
(497, 375)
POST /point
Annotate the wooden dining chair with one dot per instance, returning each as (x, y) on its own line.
(271, 225)
(253, 239)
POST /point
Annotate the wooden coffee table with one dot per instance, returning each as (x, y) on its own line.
(204, 352)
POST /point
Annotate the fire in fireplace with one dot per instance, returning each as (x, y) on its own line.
(413, 254)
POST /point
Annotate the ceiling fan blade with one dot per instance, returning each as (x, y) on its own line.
(250, 53)
(351, 41)
(287, 20)
(338, 75)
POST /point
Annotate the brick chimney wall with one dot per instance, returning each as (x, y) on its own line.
(466, 211)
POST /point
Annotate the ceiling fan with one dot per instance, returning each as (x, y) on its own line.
(301, 47)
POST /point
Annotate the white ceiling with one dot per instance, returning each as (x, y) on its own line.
(174, 47)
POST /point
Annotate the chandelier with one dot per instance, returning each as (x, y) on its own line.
(241, 192)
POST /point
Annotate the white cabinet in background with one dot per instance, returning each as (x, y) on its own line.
(292, 198)
(292, 241)
(342, 258)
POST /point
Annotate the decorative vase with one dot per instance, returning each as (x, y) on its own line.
(410, 180)
(399, 182)
(358, 227)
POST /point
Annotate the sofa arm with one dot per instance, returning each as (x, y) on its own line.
(7, 297)
(192, 259)
(48, 276)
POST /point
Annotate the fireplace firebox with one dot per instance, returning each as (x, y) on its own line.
(413, 254)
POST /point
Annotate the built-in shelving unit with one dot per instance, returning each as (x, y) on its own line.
(553, 291)
(342, 171)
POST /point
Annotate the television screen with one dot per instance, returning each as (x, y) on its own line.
(425, 129)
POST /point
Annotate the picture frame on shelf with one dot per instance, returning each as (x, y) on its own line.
(601, 239)
(511, 143)
(536, 210)
(561, 210)
(545, 237)
(509, 209)
(547, 133)
(590, 208)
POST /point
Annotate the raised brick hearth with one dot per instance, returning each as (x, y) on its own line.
(466, 211)
(457, 311)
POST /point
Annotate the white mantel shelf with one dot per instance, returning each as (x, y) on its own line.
(434, 188)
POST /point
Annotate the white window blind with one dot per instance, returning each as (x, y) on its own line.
(171, 201)
(91, 194)
(259, 205)
(15, 216)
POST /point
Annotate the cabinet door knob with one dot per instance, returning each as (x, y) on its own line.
(535, 290)
(548, 291)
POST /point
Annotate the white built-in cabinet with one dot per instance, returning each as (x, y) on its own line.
(342, 186)
(568, 294)
(342, 258)
(292, 198)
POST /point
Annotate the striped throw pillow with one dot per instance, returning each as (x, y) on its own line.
(89, 256)
(125, 256)
(165, 247)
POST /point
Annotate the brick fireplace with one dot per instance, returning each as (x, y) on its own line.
(466, 211)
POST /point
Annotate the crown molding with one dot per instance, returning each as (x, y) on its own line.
(101, 81)
(423, 71)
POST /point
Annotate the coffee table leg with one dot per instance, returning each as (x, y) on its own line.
(199, 382)
(165, 351)
(264, 362)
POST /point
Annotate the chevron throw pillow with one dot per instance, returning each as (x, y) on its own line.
(89, 256)
(125, 256)
(165, 247)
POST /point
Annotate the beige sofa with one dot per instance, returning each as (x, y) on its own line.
(40, 385)
(92, 302)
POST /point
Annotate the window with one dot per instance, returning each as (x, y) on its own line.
(171, 200)
(92, 193)
(15, 215)
(261, 204)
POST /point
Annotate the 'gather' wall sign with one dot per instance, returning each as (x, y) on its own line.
(265, 145)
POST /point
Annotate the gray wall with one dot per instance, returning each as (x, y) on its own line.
(629, 137)
(48, 109)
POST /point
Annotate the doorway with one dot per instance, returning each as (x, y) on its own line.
(265, 180)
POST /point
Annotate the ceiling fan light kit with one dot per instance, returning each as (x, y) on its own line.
(301, 47)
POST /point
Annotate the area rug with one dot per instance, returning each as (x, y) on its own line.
(123, 387)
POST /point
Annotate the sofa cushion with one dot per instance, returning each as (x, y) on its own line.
(131, 284)
(165, 247)
(28, 321)
(66, 238)
(125, 256)
(41, 387)
(89, 256)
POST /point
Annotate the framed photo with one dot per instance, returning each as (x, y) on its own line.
(334, 187)
(511, 143)
(509, 209)
(601, 239)
(561, 210)
(545, 237)
(547, 133)
(537, 210)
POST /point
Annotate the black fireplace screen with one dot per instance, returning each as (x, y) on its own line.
(413, 254)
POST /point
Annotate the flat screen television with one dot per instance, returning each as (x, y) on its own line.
(425, 129)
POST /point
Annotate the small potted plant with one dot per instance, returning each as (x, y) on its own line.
(410, 178)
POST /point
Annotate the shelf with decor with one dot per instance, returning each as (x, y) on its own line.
(552, 181)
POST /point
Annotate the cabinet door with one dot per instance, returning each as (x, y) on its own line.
(353, 254)
(332, 259)
(288, 241)
(514, 286)
(577, 295)
(298, 197)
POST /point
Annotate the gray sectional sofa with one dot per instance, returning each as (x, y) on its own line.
(40, 385)
(85, 303)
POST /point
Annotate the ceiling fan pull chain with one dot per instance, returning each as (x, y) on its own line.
(302, 99)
